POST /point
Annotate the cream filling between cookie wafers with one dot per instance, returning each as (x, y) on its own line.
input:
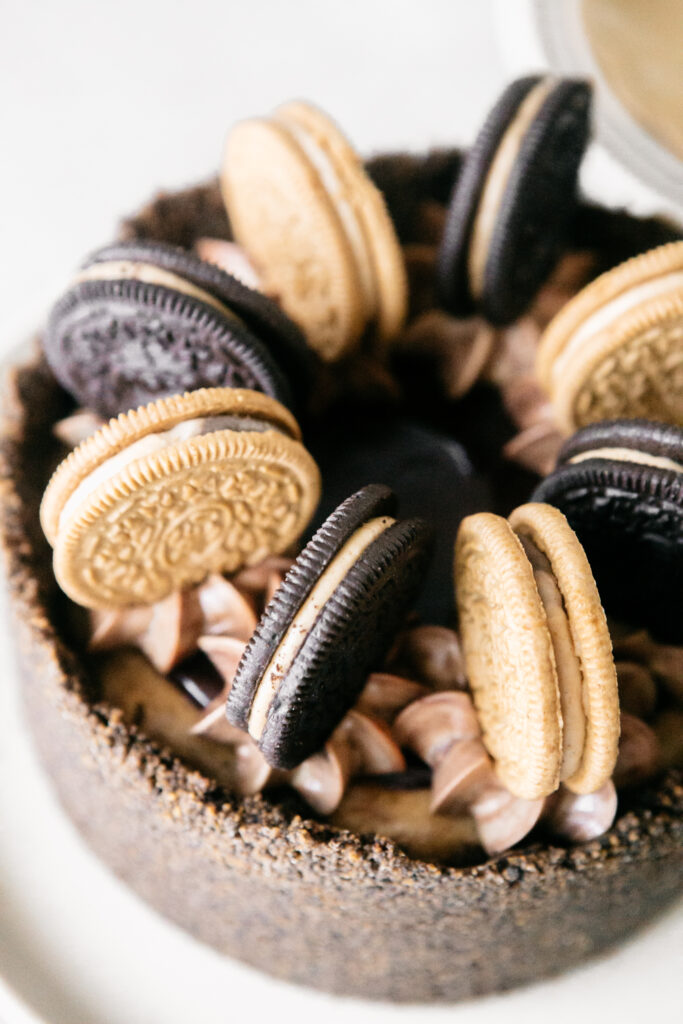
(148, 273)
(152, 444)
(304, 620)
(569, 675)
(349, 219)
(496, 183)
(628, 455)
(609, 314)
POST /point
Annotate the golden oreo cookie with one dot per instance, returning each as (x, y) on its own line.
(208, 481)
(315, 227)
(616, 350)
(537, 651)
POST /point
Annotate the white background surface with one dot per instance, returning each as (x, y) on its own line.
(101, 104)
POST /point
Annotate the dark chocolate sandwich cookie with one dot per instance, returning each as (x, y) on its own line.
(327, 626)
(431, 475)
(142, 320)
(620, 485)
(514, 198)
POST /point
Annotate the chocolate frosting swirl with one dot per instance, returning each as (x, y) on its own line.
(419, 704)
(169, 631)
(443, 730)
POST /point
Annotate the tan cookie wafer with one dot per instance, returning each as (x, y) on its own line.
(315, 226)
(616, 349)
(283, 217)
(597, 703)
(595, 295)
(538, 652)
(212, 504)
(385, 255)
(508, 655)
(633, 372)
(158, 416)
(133, 515)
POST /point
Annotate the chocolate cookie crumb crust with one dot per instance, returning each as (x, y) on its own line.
(270, 886)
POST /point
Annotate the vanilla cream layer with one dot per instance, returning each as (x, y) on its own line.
(152, 444)
(568, 667)
(496, 183)
(334, 189)
(148, 273)
(304, 620)
(610, 313)
(628, 455)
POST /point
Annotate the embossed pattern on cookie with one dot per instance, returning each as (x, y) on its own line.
(137, 513)
(616, 349)
(642, 376)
